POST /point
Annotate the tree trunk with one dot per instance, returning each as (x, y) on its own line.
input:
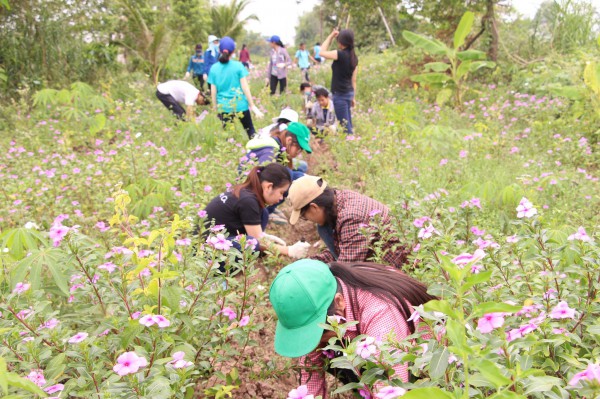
(387, 27)
(492, 27)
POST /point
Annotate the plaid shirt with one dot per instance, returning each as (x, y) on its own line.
(376, 318)
(354, 210)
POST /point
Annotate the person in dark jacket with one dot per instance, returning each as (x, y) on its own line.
(196, 67)
(211, 55)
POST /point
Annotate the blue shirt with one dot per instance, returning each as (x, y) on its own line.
(226, 78)
(196, 64)
(302, 56)
(317, 51)
(210, 58)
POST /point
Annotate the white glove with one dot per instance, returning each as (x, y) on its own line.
(299, 250)
(273, 239)
(187, 75)
(281, 65)
(257, 112)
(205, 76)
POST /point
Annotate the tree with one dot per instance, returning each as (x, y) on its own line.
(191, 18)
(226, 19)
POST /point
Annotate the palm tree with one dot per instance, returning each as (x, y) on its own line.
(226, 18)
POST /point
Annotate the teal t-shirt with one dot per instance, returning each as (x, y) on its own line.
(226, 78)
(302, 56)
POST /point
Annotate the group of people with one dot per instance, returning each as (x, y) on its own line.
(339, 280)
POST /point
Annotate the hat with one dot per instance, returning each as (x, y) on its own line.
(227, 44)
(301, 294)
(275, 39)
(198, 47)
(302, 192)
(302, 134)
(287, 114)
(212, 38)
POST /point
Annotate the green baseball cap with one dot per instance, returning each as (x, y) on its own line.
(301, 294)
(302, 134)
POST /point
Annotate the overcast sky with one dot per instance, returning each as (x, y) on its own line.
(280, 17)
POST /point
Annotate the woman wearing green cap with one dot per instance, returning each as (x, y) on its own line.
(340, 216)
(304, 293)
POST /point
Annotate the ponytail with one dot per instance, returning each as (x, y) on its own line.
(224, 57)
(274, 173)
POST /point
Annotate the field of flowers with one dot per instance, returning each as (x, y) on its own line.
(107, 293)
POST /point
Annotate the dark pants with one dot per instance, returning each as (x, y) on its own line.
(200, 81)
(342, 103)
(246, 65)
(246, 120)
(171, 104)
(326, 234)
(282, 84)
(304, 74)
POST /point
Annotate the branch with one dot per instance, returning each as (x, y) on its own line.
(475, 38)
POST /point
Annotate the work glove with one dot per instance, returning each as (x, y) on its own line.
(257, 112)
(273, 239)
(187, 75)
(299, 250)
(281, 65)
(205, 77)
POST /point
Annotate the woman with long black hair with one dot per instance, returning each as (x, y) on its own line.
(378, 297)
(279, 62)
(229, 89)
(243, 209)
(343, 76)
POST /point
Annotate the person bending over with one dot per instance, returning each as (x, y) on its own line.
(176, 92)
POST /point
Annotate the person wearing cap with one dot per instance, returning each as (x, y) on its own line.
(343, 74)
(229, 89)
(340, 216)
(176, 92)
(211, 56)
(279, 62)
(286, 116)
(196, 67)
(242, 210)
(305, 293)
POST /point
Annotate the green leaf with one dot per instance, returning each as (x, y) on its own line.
(472, 55)
(570, 92)
(475, 279)
(443, 96)
(507, 395)
(492, 373)
(437, 66)
(20, 240)
(456, 333)
(431, 46)
(594, 330)
(97, 124)
(431, 78)
(476, 65)
(494, 307)
(23, 383)
(3, 379)
(463, 29)
(427, 393)
(441, 306)
(46, 258)
(439, 363)
(463, 69)
(542, 384)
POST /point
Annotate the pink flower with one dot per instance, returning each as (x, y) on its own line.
(202, 213)
(57, 233)
(364, 394)
(37, 377)
(228, 312)
(178, 362)
(50, 324)
(183, 242)
(149, 320)
(512, 239)
(54, 388)
(475, 230)
(129, 363)
(580, 235)
(390, 392)
(21, 288)
(208, 189)
(102, 226)
(300, 393)
(244, 321)
(77, 338)
(489, 322)
(427, 232)
(366, 347)
(592, 373)
(108, 266)
(420, 222)
(219, 242)
(466, 258)
(525, 209)
(562, 311)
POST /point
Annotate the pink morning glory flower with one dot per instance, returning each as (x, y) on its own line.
(489, 322)
(219, 242)
(21, 288)
(77, 338)
(244, 321)
(580, 235)
(57, 233)
(366, 347)
(591, 373)
(37, 377)
(54, 388)
(129, 363)
(390, 392)
(228, 312)
(525, 209)
(108, 266)
(149, 320)
(466, 258)
(178, 362)
(562, 311)
(300, 393)
(427, 232)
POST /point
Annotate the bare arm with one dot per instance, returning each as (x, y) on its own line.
(246, 90)
(190, 112)
(354, 85)
(256, 232)
(213, 96)
(329, 54)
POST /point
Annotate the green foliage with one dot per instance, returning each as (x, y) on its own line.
(226, 18)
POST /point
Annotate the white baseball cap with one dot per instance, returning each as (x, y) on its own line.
(287, 114)
(212, 38)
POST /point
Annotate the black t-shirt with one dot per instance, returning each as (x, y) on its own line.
(341, 78)
(234, 212)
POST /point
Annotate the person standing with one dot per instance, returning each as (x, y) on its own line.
(176, 92)
(279, 63)
(317, 51)
(229, 89)
(302, 58)
(245, 57)
(211, 56)
(343, 77)
(196, 67)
